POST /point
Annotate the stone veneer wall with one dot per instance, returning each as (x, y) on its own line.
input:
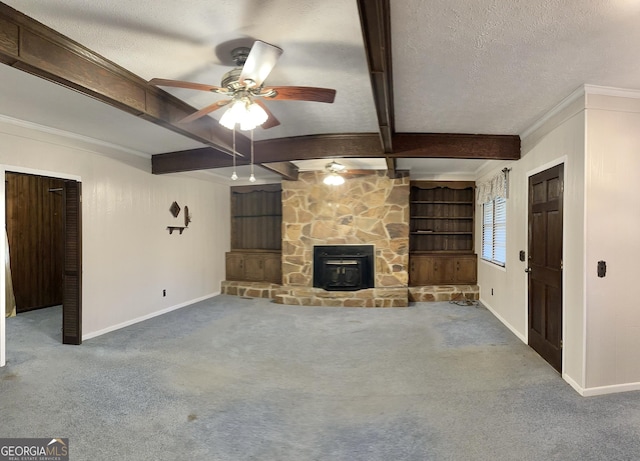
(366, 210)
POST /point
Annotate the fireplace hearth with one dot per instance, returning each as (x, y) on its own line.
(343, 267)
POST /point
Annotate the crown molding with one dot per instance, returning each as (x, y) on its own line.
(612, 91)
(557, 109)
(72, 136)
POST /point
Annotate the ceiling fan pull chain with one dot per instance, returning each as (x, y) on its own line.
(234, 176)
(252, 178)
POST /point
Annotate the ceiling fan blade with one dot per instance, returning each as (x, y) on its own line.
(182, 84)
(302, 93)
(259, 63)
(204, 111)
(361, 172)
(272, 120)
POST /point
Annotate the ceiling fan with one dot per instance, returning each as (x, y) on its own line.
(244, 87)
(337, 173)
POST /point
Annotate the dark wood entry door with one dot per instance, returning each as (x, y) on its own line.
(545, 264)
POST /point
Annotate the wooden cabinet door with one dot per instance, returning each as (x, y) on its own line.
(235, 266)
(430, 270)
(273, 268)
(441, 270)
(466, 269)
(418, 270)
(254, 267)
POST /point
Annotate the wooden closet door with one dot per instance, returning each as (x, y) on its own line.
(72, 293)
(35, 229)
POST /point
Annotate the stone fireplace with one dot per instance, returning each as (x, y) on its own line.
(368, 210)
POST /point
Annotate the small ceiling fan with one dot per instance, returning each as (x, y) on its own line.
(244, 87)
(337, 173)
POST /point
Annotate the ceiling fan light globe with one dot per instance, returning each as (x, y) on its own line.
(233, 114)
(333, 180)
(257, 114)
(244, 112)
(253, 116)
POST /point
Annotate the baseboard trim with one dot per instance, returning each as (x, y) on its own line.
(507, 324)
(613, 389)
(577, 387)
(147, 317)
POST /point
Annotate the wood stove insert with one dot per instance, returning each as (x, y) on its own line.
(343, 267)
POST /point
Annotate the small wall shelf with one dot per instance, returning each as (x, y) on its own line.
(176, 228)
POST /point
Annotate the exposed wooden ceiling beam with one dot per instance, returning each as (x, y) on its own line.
(273, 150)
(391, 167)
(285, 169)
(376, 30)
(358, 145)
(470, 146)
(319, 146)
(203, 158)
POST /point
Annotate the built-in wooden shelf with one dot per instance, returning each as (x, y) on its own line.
(256, 234)
(426, 232)
(256, 217)
(440, 202)
(441, 233)
(441, 217)
(259, 216)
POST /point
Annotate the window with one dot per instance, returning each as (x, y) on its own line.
(494, 231)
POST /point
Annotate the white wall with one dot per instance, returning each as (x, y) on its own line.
(128, 255)
(558, 138)
(613, 235)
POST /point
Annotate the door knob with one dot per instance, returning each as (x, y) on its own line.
(528, 269)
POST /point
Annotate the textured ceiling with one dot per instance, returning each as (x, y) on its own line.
(482, 66)
(496, 66)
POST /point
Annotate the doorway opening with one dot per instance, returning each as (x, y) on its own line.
(43, 231)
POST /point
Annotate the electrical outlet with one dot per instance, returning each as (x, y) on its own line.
(602, 268)
(164, 293)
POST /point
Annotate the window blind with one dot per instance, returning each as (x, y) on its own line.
(494, 231)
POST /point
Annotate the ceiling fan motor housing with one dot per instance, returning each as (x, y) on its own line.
(231, 79)
(239, 55)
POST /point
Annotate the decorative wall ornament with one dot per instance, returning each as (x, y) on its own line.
(187, 216)
(175, 211)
